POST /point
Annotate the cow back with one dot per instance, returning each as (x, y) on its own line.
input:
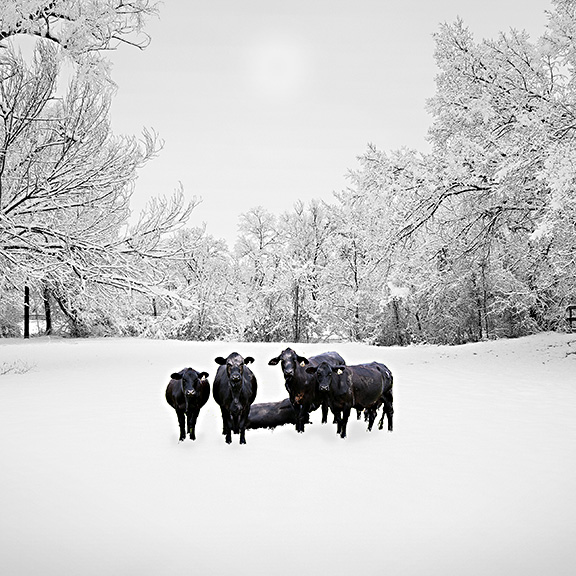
(386, 375)
(272, 414)
(332, 358)
(367, 383)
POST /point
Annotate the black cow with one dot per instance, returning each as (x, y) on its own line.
(187, 392)
(299, 384)
(272, 414)
(363, 386)
(234, 390)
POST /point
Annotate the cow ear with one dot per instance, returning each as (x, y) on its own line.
(248, 360)
(303, 361)
(176, 376)
(203, 375)
(274, 361)
(311, 369)
(220, 360)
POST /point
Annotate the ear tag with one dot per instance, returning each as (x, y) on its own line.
(302, 363)
(202, 377)
(339, 371)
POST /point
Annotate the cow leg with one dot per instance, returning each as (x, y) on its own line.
(358, 413)
(390, 414)
(303, 415)
(324, 412)
(345, 416)
(338, 421)
(228, 429)
(371, 417)
(192, 417)
(181, 424)
(388, 410)
(243, 423)
(300, 418)
(226, 426)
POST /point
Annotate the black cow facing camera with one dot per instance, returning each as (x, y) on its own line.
(363, 387)
(187, 392)
(300, 385)
(234, 390)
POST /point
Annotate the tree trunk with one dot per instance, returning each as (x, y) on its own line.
(396, 309)
(77, 328)
(297, 313)
(26, 312)
(47, 310)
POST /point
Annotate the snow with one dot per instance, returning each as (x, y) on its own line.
(477, 478)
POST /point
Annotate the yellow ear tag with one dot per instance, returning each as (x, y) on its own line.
(302, 364)
(339, 371)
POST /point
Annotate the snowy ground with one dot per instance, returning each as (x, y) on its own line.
(478, 477)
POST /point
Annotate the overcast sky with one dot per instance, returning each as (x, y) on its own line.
(262, 102)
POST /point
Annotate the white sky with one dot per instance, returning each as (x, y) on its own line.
(263, 102)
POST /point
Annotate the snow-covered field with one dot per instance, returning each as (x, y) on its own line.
(478, 477)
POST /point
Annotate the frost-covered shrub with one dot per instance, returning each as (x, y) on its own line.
(10, 319)
(9, 330)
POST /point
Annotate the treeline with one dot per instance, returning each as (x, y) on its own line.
(475, 239)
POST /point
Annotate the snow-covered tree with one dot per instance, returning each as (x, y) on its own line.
(264, 311)
(79, 26)
(65, 180)
(66, 183)
(203, 286)
(480, 233)
(305, 234)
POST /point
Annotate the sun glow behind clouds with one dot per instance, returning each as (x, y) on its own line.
(278, 67)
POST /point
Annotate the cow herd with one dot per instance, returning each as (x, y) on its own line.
(324, 381)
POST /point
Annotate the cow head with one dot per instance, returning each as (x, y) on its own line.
(234, 367)
(289, 362)
(191, 382)
(324, 374)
